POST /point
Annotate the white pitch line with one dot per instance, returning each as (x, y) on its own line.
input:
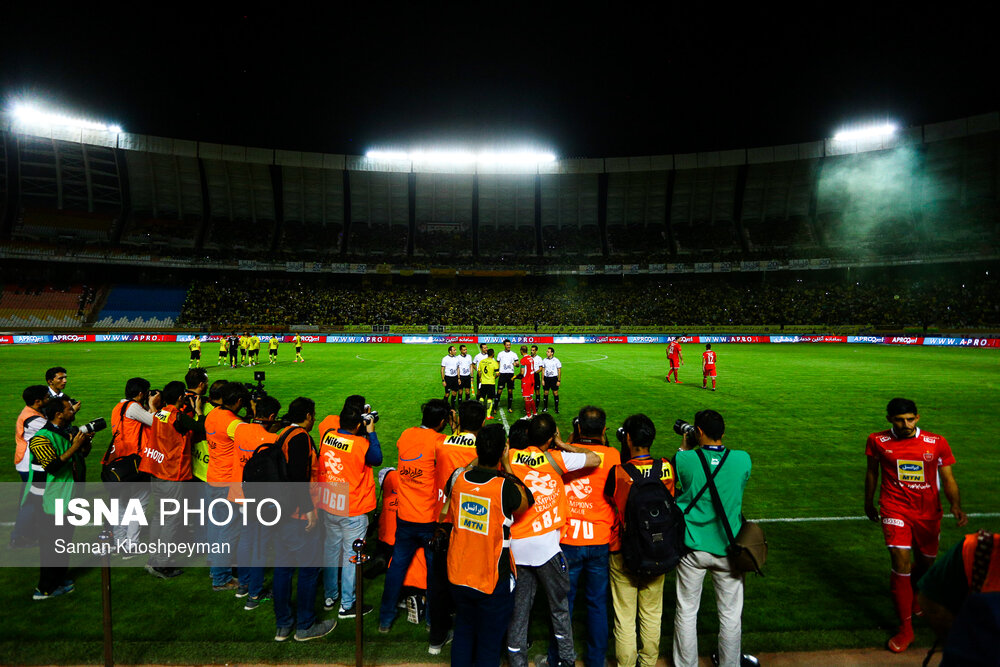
(503, 418)
(604, 357)
(974, 515)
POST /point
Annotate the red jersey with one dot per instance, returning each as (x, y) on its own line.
(910, 472)
(674, 351)
(708, 357)
(528, 365)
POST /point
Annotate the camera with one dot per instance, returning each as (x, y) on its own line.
(620, 434)
(683, 428)
(91, 427)
(369, 416)
(256, 390)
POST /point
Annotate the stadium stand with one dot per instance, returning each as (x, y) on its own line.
(313, 211)
(34, 307)
(703, 300)
(140, 307)
(933, 190)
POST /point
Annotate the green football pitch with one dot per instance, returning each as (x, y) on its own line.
(801, 411)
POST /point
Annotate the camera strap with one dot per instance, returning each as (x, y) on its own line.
(710, 477)
(716, 499)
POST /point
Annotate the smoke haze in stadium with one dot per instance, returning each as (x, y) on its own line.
(600, 82)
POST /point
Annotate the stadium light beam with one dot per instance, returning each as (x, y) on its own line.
(30, 115)
(452, 157)
(871, 132)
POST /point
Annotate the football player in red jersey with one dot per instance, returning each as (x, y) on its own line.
(676, 359)
(528, 382)
(913, 464)
(707, 366)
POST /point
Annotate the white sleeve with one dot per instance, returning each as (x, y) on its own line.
(574, 461)
(136, 412)
(31, 427)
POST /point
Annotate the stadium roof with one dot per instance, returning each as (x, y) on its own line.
(612, 83)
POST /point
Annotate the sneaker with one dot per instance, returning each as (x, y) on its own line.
(316, 630)
(243, 591)
(282, 634)
(384, 629)
(330, 604)
(164, 572)
(353, 611)
(541, 660)
(435, 649)
(231, 585)
(900, 642)
(61, 590)
(254, 602)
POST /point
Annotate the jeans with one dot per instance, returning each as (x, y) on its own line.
(127, 535)
(221, 563)
(440, 604)
(252, 554)
(480, 622)
(409, 537)
(341, 531)
(166, 528)
(728, 598)
(29, 520)
(293, 544)
(554, 577)
(592, 561)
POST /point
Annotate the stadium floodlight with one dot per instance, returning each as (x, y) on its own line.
(870, 132)
(30, 115)
(459, 157)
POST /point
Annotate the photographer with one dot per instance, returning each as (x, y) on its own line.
(131, 420)
(591, 521)
(416, 514)
(62, 454)
(220, 428)
(346, 459)
(535, 536)
(633, 595)
(707, 539)
(166, 458)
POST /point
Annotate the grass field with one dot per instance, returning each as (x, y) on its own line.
(801, 411)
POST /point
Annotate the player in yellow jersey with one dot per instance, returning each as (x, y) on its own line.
(223, 351)
(244, 347)
(272, 350)
(298, 348)
(254, 349)
(488, 369)
(195, 347)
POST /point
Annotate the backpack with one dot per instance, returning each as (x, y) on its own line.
(267, 463)
(653, 538)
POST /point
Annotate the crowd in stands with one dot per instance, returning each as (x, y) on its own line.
(707, 302)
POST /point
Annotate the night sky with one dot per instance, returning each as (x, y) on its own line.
(599, 82)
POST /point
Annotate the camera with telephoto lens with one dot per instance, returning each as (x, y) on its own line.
(256, 390)
(620, 434)
(90, 427)
(369, 416)
(683, 428)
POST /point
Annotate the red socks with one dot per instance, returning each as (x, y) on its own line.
(902, 597)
